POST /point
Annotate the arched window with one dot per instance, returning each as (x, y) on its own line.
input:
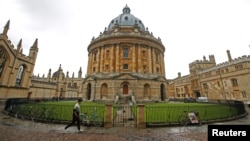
(104, 89)
(19, 75)
(2, 60)
(125, 89)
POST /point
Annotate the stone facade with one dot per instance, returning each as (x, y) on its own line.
(225, 81)
(125, 60)
(16, 69)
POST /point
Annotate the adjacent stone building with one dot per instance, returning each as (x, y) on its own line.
(16, 68)
(225, 81)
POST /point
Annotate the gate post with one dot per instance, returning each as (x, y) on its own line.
(108, 116)
(140, 116)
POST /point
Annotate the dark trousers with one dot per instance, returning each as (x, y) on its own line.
(74, 119)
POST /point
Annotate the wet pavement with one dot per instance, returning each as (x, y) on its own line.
(23, 130)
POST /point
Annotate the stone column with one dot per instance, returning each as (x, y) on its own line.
(101, 58)
(139, 65)
(149, 60)
(153, 60)
(162, 64)
(117, 56)
(140, 116)
(112, 60)
(90, 63)
(108, 120)
(133, 59)
(98, 60)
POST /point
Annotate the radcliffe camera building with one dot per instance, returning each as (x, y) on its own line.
(124, 62)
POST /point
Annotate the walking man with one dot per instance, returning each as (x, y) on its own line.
(75, 115)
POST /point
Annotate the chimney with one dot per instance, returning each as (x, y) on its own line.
(229, 56)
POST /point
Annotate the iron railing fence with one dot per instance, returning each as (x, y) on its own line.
(168, 115)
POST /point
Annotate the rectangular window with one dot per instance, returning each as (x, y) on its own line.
(234, 82)
(125, 52)
(205, 86)
(244, 95)
(106, 67)
(125, 66)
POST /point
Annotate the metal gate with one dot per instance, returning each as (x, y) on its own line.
(124, 116)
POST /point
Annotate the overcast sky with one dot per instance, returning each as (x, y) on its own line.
(189, 29)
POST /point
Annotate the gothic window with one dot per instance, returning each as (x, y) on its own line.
(234, 82)
(69, 84)
(2, 60)
(125, 52)
(75, 85)
(244, 95)
(19, 75)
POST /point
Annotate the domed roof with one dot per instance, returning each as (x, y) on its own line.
(126, 19)
(56, 74)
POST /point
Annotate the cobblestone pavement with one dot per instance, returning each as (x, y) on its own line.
(12, 129)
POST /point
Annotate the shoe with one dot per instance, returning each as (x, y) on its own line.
(80, 130)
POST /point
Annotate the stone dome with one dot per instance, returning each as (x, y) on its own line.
(57, 73)
(126, 19)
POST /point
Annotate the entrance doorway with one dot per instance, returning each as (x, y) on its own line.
(88, 95)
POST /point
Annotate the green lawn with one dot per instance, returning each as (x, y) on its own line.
(169, 112)
(154, 113)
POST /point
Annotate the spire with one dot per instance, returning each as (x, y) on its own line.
(80, 73)
(35, 44)
(80, 69)
(19, 45)
(6, 28)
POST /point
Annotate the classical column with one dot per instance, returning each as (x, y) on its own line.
(153, 60)
(133, 59)
(101, 58)
(112, 60)
(117, 56)
(162, 64)
(98, 60)
(139, 66)
(90, 63)
(149, 60)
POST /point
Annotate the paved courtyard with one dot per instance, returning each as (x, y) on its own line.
(12, 129)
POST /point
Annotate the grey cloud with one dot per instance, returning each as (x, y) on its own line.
(45, 14)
